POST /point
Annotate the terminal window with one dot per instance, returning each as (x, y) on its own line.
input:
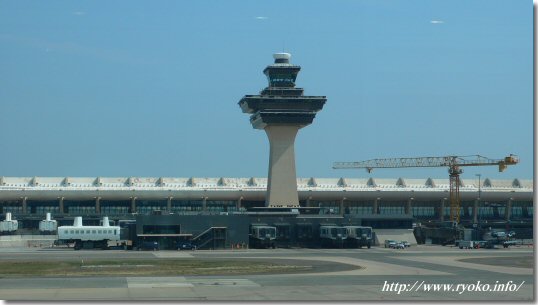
(161, 229)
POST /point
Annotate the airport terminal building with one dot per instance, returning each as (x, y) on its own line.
(381, 201)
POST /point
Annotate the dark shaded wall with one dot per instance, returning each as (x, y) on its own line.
(237, 225)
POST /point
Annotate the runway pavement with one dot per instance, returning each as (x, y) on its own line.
(337, 274)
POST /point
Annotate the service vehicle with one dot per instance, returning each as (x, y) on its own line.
(89, 237)
(509, 243)
(467, 244)
(389, 243)
(186, 245)
(262, 236)
(332, 236)
(399, 246)
(358, 236)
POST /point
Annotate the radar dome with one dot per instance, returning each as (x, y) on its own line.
(282, 58)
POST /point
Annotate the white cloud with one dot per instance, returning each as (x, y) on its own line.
(262, 18)
(79, 13)
(436, 21)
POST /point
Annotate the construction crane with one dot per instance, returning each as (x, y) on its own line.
(452, 162)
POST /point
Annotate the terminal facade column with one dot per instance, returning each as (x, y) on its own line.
(342, 206)
(475, 211)
(496, 211)
(375, 208)
(133, 204)
(525, 211)
(508, 210)
(98, 205)
(464, 210)
(238, 204)
(24, 205)
(408, 206)
(169, 204)
(442, 210)
(61, 203)
(204, 203)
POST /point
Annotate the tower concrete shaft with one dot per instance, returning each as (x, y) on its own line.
(281, 110)
(282, 180)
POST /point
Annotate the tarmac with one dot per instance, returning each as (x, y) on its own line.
(337, 275)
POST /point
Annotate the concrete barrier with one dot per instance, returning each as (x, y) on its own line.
(9, 241)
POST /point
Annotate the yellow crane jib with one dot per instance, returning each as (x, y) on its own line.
(452, 162)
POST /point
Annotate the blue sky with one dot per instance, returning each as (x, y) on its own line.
(137, 88)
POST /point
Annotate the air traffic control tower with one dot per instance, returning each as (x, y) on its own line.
(281, 110)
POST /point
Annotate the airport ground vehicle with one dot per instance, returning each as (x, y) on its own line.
(332, 236)
(486, 244)
(358, 236)
(186, 245)
(389, 243)
(88, 237)
(406, 243)
(491, 239)
(262, 236)
(467, 244)
(509, 243)
(399, 246)
(506, 239)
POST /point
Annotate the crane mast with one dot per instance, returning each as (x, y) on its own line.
(452, 162)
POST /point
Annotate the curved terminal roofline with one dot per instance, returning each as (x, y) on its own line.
(152, 188)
